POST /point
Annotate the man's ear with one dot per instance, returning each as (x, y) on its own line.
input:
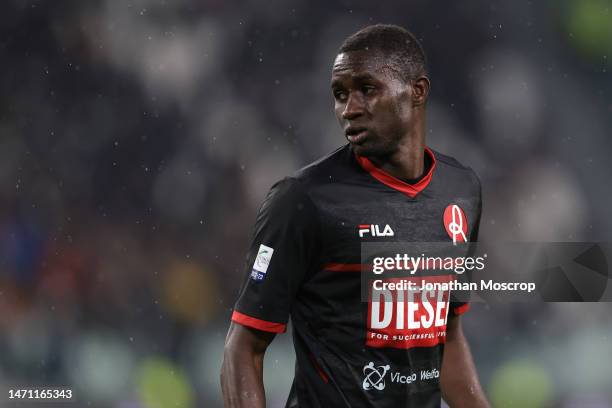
(420, 90)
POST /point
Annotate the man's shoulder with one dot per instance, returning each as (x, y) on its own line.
(446, 163)
(449, 160)
(326, 168)
(319, 173)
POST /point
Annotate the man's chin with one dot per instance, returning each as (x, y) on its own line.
(360, 150)
(367, 150)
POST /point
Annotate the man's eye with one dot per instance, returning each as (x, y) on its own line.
(340, 96)
(367, 89)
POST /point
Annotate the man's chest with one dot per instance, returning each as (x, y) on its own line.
(392, 217)
(355, 221)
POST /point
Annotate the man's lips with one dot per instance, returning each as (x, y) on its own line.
(355, 134)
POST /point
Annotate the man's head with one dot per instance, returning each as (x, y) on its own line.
(380, 85)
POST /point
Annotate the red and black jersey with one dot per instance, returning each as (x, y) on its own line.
(305, 263)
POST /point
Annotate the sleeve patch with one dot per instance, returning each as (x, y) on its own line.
(262, 261)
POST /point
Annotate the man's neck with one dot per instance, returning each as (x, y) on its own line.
(407, 163)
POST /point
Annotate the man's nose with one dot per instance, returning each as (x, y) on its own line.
(353, 108)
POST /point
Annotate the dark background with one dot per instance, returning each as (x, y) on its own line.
(137, 139)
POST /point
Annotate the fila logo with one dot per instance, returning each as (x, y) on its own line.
(375, 230)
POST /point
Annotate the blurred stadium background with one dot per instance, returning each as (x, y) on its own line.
(137, 139)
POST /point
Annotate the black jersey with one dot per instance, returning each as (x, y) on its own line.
(304, 262)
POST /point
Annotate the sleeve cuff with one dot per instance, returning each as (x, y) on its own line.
(258, 324)
(461, 309)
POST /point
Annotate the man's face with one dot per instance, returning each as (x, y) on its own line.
(372, 103)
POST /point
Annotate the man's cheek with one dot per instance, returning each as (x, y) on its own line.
(338, 113)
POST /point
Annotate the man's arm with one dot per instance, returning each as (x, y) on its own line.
(242, 369)
(459, 380)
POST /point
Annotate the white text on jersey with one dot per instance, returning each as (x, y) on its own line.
(375, 230)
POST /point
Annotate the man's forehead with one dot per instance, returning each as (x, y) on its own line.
(363, 62)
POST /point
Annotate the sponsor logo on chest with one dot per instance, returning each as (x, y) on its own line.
(408, 318)
(375, 230)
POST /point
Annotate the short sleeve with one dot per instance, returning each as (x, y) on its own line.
(282, 251)
(458, 308)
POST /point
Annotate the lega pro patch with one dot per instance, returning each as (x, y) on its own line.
(262, 261)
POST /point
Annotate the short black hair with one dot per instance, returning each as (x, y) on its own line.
(400, 46)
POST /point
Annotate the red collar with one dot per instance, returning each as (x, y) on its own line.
(411, 190)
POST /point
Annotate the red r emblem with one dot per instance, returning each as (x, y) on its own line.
(455, 223)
